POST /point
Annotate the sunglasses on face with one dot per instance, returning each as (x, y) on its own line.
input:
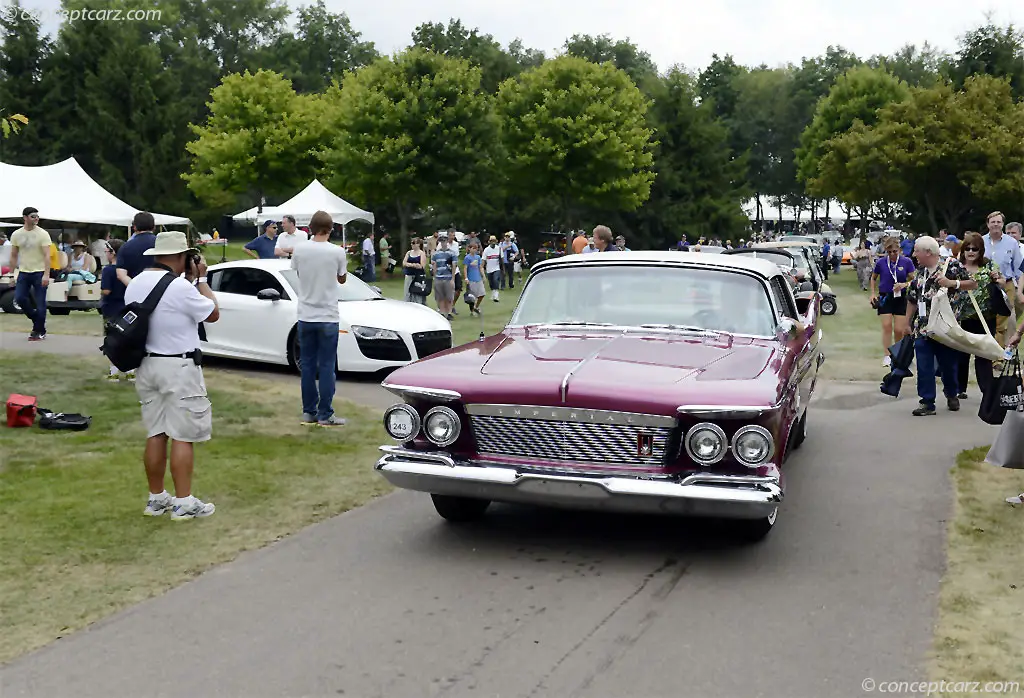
(972, 249)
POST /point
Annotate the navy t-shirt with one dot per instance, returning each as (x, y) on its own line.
(263, 246)
(112, 303)
(130, 257)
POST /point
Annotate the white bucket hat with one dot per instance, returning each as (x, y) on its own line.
(169, 242)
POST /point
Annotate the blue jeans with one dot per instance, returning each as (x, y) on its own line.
(30, 294)
(318, 355)
(933, 358)
(369, 270)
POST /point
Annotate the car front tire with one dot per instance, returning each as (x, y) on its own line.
(7, 303)
(756, 530)
(828, 306)
(801, 431)
(459, 509)
(60, 311)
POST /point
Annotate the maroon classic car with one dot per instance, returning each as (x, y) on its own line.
(632, 382)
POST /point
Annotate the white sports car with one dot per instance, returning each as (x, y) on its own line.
(258, 320)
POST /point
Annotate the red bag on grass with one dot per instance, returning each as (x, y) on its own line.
(21, 410)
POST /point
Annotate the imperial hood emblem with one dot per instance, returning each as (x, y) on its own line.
(644, 445)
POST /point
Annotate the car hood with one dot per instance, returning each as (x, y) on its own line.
(390, 314)
(652, 374)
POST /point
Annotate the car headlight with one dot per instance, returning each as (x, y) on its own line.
(705, 443)
(402, 422)
(373, 333)
(753, 445)
(442, 426)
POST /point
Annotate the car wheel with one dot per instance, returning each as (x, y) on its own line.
(60, 311)
(755, 530)
(7, 303)
(828, 306)
(293, 350)
(459, 509)
(801, 431)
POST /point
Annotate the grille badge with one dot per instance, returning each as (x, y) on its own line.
(644, 445)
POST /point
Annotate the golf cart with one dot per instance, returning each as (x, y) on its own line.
(807, 270)
(61, 298)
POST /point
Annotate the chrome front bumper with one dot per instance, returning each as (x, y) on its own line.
(726, 496)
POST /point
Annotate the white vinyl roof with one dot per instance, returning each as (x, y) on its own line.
(65, 192)
(315, 197)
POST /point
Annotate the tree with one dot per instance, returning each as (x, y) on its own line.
(577, 136)
(856, 96)
(11, 123)
(991, 50)
(918, 67)
(481, 50)
(23, 53)
(699, 184)
(623, 54)
(409, 132)
(257, 141)
(939, 151)
(325, 46)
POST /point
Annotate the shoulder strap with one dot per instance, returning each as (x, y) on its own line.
(149, 305)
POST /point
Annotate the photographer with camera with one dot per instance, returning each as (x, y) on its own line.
(169, 380)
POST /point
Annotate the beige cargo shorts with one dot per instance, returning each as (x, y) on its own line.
(172, 393)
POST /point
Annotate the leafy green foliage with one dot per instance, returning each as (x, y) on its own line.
(623, 54)
(258, 140)
(576, 134)
(991, 50)
(410, 132)
(23, 51)
(481, 50)
(947, 152)
(856, 96)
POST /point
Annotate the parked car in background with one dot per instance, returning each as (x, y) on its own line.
(622, 398)
(258, 320)
(807, 270)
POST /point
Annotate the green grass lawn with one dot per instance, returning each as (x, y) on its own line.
(980, 630)
(853, 336)
(75, 544)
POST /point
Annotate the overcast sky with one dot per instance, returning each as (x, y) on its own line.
(684, 32)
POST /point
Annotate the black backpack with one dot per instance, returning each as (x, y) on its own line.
(125, 340)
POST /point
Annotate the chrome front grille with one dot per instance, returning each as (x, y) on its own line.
(569, 434)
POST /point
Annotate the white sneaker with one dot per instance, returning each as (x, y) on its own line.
(156, 506)
(1016, 501)
(192, 510)
(887, 361)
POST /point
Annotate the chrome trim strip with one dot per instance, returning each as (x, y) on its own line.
(763, 432)
(436, 393)
(570, 414)
(568, 376)
(720, 410)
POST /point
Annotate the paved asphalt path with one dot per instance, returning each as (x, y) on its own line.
(389, 601)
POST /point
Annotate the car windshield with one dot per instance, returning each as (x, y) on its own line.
(783, 261)
(354, 288)
(635, 296)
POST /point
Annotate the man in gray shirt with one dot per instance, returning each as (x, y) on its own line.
(320, 267)
(1005, 253)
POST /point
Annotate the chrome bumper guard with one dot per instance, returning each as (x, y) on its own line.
(726, 496)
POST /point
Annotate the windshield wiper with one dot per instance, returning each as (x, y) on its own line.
(680, 328)
(576, 324)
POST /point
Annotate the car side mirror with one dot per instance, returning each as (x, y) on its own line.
(269, 294)
(785, 330)
(806, 286)
(377, 289)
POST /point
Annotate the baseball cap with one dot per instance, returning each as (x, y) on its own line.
(268, 223)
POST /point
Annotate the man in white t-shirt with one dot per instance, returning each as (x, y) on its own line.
(170, 381)
(492, 266)
(291, 237)
(5, 253)
(320, 267)
(369, 259)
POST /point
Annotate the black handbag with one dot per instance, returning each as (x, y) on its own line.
(997, 297)
(1005, 393)
(421, 285)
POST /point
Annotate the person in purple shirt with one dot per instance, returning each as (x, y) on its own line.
(892, 275)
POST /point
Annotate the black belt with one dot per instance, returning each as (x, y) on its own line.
(183, 355)
(196, 355)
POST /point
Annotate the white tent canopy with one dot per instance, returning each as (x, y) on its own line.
(65, 192)
(315, 197)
